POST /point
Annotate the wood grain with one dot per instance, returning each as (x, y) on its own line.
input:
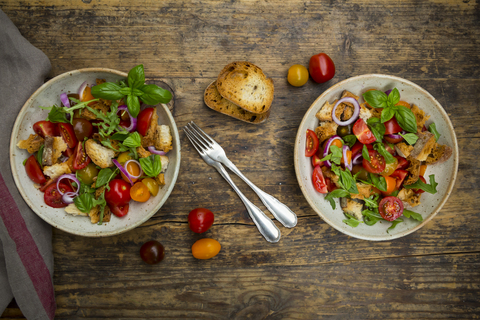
(314, 272)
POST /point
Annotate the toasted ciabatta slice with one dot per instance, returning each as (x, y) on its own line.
(216, 102)
(244, 84)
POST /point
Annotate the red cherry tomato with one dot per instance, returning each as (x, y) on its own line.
(316, 160)
(362, 132)
(53, 198)
(319, 181)
(357, 148)
(391, 184)
(402, 163)
(399, 176)
(34, 171)
(420, 190)
(68, 134)
(200, 220)
(69, 152)
(46, 128)
(80, 158)
(152, 252)
(311, 145)
(376, 164)
(389, 148)
(119, 193)
(321, 68)
(143, 120)
(82, 128)
(330, 185)
(119, 211)
(390, 208)
(392, 126)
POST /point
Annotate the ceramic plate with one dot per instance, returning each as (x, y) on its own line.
(445, 173)
(48, 95)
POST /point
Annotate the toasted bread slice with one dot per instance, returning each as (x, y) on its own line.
(244, 84)
(216, 102)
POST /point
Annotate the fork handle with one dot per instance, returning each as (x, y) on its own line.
(264, 224)
(280, 211)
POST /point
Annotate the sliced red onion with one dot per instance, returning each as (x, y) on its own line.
(358, 159)
(70, 177)
(349, 163)
(68, 197)
(155, 151)
(388, 92)
(327, 149)
(356, 111)
(64, 99)
(138, 164)
(133, 121)
(123, 170)
(395, 136)
(80, 91)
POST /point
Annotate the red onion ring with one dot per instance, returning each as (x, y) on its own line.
(133, 121)
(65, 101)
(355, 160)
(395, 136)
(68, 197)
(327, 149)
(347, 164)
(138, 163)
(155, 151)
(356, 111)
(80, 91)
(70, 177)
(123, 170)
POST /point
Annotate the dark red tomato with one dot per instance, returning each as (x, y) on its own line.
(376, 164)
(200, 220)
(53, 198)
(316, 160)
(402, 163)
(399, 176)
(68, 134)
(152, 252)
(82, 128)
(47, 184)
(393, 140)
(143, 120)
(119, 211)
(80, 159)
(357, 148)
(311, 145)
(420, 190)
(34, 171)
(119, 193)
(45, 128)
(390, 208)
(330, 185)
(318, 180)
(321, 68)
(69, 152)
(392, 126)
(363, 133)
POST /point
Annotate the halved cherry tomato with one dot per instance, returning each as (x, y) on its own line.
(404, 104)
(143, 120)
(402, 162)
(399, 176)
(311, 145)
(133, 169)
(362, 132)
(206, 248)
(53, 198)
(316, 160)
(357, 148)
(34, 171)
(69, 152)
(46, 128)
(87, 96)
(87, 174)
(330, 185)
(139, 192)
(119, 193)
(423, 169)
(200, 220)
(390, 168)
(318, 180)
(390, 208)
(420, 190)
(391, 184)
(389, 148)
(47, 184)
(392, 126)
(119, 211)
(349, 157)
(376, 164)
(393, 140)
(68, 134)
(321, 68)
(152, 185)
(80, 158)
(82, 128)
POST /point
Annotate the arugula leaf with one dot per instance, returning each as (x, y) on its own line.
(380, 147)
(120, 147)
(351, 221)
(371, 202)
(411, 138)
(378, 181)
(133, 141)
(394, 224)
(151, 165)
(133, 105)
(387, 114)
(376, 98)
(413, 215)
(337, 193)
(430, 188)
(393, 97)
(365, 154)
(108, 91)
(433, 129)
(406, 119)
(153, 94)
(136, 77)
(104, 177)
(110, 120)
(371, 217)
(377, 128)
(39, 156)
(350, 140)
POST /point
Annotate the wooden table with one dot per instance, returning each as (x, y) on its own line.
(314, 271)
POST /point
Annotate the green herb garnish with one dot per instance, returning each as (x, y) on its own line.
(419, 184)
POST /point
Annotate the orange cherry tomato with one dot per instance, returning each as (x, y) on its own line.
(403, 103)
(133, 169)
(391, 183)
(206, 248)
(87, 96)
(139, 192)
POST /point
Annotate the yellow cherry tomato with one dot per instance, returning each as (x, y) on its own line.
(206, 248)
(152, 185)
(390, 168)
(133, 169)
(139, 192)
(124, 157)
(297, 75)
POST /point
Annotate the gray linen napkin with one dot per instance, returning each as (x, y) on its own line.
(26, 258)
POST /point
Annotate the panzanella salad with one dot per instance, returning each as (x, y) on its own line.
(98, 150)
(373, 156)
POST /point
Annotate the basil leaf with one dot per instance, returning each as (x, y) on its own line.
(120, 136)
(104, 177)
(133, 141)
(365, 154)
(337, 154)
(348, 181)
(393, 97)
(430, 188)
(133, 105)
(136, 77)
(137, 92)
(394, 193)
(108, 91)
(380, 147)
(126, 91)
(433, 129)
(350, 140)
(371, 202)
(406, 119)
(387, 114)
(57, 114)
(411, 138)
(337, 193)
(351, 221)
(376, 98)
(336, 169)
(327, 157)
(151, 166)
(39, 156)
(371, 217)
(84, 202)
(394, 224)
(122, 83)
(413, 215)
(153, 94)
(378, 181)
(377, 128)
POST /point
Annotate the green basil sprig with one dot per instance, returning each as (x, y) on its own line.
(365, 154)
(430, 188)
(377, 128)
(411, 138)
(133, 141)
(337, 193)
(39, 155)
(377, 181)
(151, 165)
(104, 177)
(350, 140)
(335, 156)
(351, 221)
(433, 129)
(380, 147)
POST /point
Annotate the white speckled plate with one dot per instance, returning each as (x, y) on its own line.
(445, 173)
(49, 94)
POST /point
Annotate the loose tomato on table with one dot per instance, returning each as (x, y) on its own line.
(363, 133)
(297, 75)
(392, 126)
(399, 176)
(152, 252)
(321, 68)
(82, 128)
(390, 208)
(143, 120)
(311, 145)
(119, 193)
(119, 211)
(68, 134)
(376, 164)
(53, 198)
(139, 192)
(46, 128)
(318, 180)
(80, 157)
(391, 185)
(200, 220)
(34, 172)
(206, 248)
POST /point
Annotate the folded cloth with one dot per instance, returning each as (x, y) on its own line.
(26, 258)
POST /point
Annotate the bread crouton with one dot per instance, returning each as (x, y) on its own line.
(165, 162)
(100, 106)
(32, 144)
(99, 154)
(56, 170)
(325, 112)
(99, 191)
(365, 113)
(149, 138)
(163, 138)
(59, 146)
(73, 210)
(94, 214)
(439, 154)
(331, 175)
(326, 130)
(47, 156)
(142, 153)
(160, 179)
(348, 107)
(423, 146)
(353, 208)
(414, 169)
(403, 149)
(364, 191)
(420, 117)
(409, 196)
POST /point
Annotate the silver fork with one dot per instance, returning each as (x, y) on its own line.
(280, 211)
(266, 226)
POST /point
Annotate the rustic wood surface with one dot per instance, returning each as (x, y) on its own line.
(315, 271)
